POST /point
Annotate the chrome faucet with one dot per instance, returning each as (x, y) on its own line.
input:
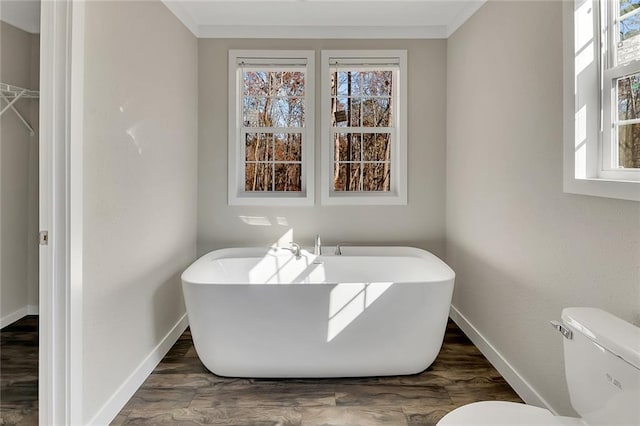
(338, 252)
(317, 248)
(295, 249)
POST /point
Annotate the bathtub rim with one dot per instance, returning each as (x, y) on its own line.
(347, 251)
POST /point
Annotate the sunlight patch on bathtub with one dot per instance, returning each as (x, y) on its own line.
(280, 266)
(268, 268)
(276, 268)
(348, 301)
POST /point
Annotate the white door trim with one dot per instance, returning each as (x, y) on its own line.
(60, 304)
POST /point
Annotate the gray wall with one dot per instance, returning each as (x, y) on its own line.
(20, 63)
(522, 249)
(140, 205)
(420, 223)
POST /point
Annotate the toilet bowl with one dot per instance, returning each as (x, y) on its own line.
(602, 368)
(502, 413)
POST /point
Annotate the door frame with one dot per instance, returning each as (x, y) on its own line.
(60, 185)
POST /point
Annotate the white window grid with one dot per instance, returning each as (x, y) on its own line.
(362, 162)
(273, 163)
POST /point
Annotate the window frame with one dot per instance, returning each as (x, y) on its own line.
(237, 195)
(398, 139)
(611, 71)
(585, 97)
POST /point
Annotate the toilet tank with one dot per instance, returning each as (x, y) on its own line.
(602, 365)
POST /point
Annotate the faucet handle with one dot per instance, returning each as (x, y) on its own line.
(295, 249)
(317, 247)
(338, 252)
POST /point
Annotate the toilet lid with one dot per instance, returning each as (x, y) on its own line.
(502, 413)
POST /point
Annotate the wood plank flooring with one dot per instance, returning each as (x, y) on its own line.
(182, 391)
(19, 372)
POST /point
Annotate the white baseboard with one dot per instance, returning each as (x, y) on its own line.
(515, 380)
(121, 396)
(20, 313)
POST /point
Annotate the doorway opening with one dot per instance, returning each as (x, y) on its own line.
(19, 212)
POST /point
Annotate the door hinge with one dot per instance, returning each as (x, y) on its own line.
(44, 238)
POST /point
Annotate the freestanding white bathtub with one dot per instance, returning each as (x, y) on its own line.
(372, 311)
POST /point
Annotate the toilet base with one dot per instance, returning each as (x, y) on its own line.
(502, 413)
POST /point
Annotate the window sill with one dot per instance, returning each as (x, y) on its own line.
(271, 199)
(609, 188)
(364, 199)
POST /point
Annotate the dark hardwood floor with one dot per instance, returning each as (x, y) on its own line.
(19, 372)
(182, 391)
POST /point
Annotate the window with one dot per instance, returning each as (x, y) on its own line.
(271, 127)
(602, 106)
(621, 75)
(364, 127)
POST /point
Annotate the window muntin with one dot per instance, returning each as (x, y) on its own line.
(271, 127)
(273, 162)
(364, 93)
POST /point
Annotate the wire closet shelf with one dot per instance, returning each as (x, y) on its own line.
(11, 94)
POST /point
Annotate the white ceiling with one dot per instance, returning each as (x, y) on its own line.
(323, 18)
(296, 18)
(24, 14)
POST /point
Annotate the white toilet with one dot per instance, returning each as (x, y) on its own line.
(602, 366)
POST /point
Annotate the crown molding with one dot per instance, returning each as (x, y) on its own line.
(322, 31)
(463, 17)
(183, 16)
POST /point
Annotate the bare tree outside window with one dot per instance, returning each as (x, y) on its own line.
(273, 118)
(628, 112)
(628, 87)
(362, 122)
